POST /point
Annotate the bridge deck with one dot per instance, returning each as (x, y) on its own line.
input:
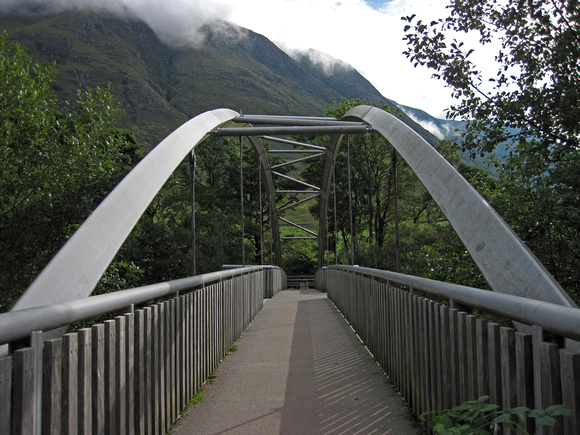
(298, 369)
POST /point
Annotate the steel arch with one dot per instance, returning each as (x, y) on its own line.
(506, 263)
(76, 268)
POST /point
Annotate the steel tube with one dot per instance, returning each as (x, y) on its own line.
(295, 121)
(290, 130)
(294, 143)
(303, 159)
(17, 325)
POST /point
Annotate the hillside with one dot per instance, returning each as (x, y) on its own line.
(161, 86)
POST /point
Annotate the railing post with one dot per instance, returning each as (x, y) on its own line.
(37, 343)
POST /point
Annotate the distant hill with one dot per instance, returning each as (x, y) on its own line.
(162, 86)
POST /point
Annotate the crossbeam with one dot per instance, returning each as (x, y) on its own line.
(346, 128)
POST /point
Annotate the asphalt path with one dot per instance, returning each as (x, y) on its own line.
(298, 369)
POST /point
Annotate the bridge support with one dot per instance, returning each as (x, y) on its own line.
(506, 263)
(77, 267)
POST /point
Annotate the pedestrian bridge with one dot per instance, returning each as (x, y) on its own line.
(433, 342)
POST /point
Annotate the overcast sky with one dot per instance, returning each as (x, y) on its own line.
(364, 33)
(368, 35)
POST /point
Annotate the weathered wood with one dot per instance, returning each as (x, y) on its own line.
(551, 387)
(130, 370)
(85, 382)
(37, 344)
(148, 372)
(471, 353)
(525, 375)
(570, 373)
(426, 383)
(22, 391)
(494, 363)
(6, 394)
(454, 357)
(446, 376)
(51, 388)
(508, 368)
(139, 408)
(156, 356)
(462, 356)
(70, 388)
(121, 374)
(111, 408)
(482, 358)
(433, 355)
(161, 374)
(98, 378)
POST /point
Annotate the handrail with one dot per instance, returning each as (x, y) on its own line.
(558, 319)
(17, 325)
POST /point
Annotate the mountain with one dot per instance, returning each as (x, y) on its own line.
(161, 86)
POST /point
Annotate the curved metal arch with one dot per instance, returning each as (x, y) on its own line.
(77, 267)
(506, 263)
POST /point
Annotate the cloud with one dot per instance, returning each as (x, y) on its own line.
(368, 38)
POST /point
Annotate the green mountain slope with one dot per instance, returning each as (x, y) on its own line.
(161, 87)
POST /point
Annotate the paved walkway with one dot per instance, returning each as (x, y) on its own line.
(298, 369)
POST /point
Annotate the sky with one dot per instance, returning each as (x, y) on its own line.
(367, 34)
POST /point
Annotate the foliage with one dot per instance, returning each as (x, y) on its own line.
(537, 82)
(530, 105)
(58, 160)
(477, 417)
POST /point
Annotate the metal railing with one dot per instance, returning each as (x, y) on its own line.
(133, 373)
(438, 355)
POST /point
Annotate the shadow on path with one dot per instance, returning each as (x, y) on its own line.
(299, 369)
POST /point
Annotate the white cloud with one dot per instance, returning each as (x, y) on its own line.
(370, 39)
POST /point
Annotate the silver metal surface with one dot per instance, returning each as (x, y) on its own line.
(77, 267)
(290, 130)
(303, 159)
(294, 143)
(298, 226)
(506, 263)
(296, 121)
(16, 325)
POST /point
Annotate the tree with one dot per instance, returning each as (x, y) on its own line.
(530, 103)
(535, 88)
(58, 160)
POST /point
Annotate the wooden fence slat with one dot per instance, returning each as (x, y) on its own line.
(462, 356)
(551, 387)
(23, 390)
(121, 374)
(155, 368)
(51, 388)
(508, 368)
(98, 378)
(162, 370)
(454, 357)
(446, 375)
(130, 370)
(525, 375)
(482, 356)
(471, 353)
(570, 363)
(139, 408)
(112, 417)
(85, 382)
(70, 405)
(494, 363)
(6, 394)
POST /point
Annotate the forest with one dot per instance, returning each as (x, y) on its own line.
(59, 159)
